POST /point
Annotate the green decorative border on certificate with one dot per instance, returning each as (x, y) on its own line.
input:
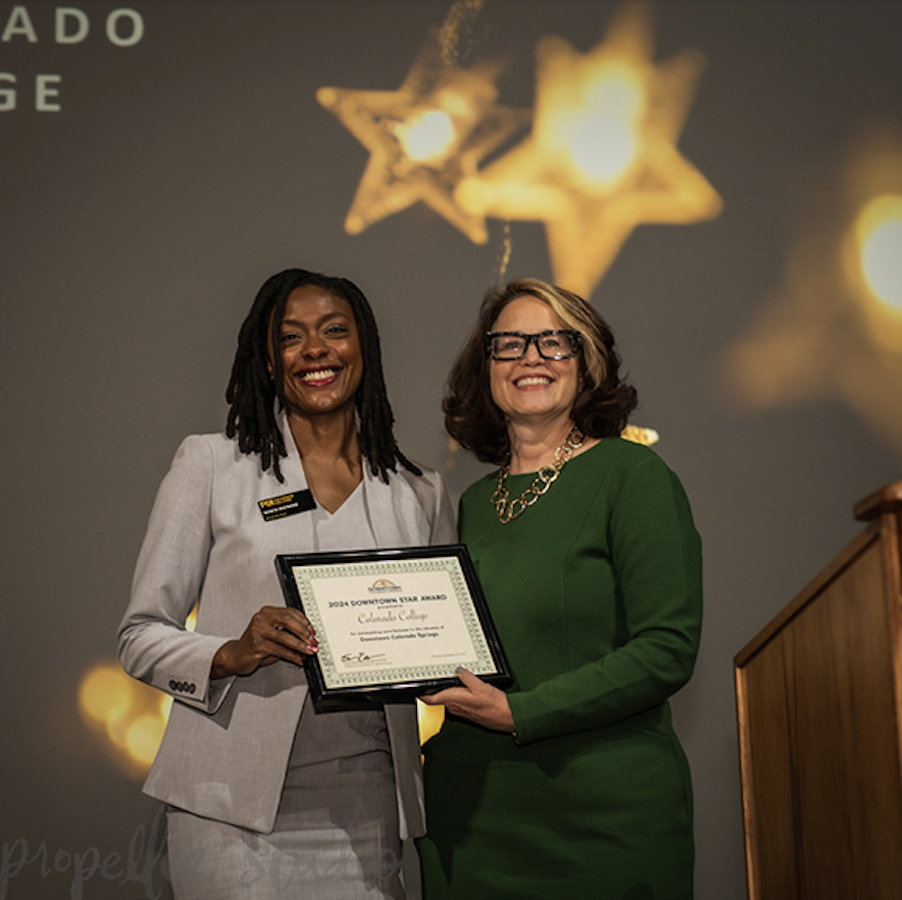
(304, 576)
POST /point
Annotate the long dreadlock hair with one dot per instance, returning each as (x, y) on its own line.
(252, 392)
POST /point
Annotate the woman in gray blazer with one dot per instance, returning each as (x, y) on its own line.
(266, 797)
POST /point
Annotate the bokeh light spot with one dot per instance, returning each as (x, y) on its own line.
(605, 140)
(105, 694)
(879, 228)
(142, 740)
(131, 716)
(427, 136)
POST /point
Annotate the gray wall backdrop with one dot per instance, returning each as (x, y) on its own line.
(140, 215)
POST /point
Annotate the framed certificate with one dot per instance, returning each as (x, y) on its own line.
(392, 622)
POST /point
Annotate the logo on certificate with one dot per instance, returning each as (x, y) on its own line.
(382, 585)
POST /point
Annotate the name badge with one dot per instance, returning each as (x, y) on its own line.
(286, 505)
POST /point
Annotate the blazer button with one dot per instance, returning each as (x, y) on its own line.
(173, 685)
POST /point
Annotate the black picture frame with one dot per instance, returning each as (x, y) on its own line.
(401, 626)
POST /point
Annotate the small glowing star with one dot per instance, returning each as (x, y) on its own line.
(424, 138)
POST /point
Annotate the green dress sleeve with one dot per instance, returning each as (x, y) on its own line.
(643, 526)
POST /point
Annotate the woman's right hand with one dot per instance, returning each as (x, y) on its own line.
(274, 633)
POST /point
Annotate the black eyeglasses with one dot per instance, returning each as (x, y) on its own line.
(506, 345)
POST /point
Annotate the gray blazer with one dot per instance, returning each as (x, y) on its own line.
(225, 751)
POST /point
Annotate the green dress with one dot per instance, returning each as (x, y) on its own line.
(596, 593)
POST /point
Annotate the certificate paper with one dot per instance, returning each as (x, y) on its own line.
(391, 621)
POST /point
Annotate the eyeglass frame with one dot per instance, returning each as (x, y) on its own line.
(575, 336)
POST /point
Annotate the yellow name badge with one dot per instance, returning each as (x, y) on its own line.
(286, 505)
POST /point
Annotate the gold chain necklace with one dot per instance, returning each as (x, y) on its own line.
(508, 509)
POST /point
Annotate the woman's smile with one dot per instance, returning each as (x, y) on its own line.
(532, 381)
(318, 376)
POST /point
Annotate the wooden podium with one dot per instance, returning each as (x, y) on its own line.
(819, 703)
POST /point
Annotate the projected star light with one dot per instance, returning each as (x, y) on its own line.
(424, 138)
(601, 158)
(833, 327)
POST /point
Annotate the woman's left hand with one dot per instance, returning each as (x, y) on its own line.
(477, 701)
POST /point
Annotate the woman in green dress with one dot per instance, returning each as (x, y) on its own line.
(572, 784)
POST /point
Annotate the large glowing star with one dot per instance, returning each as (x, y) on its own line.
(602, 156)
(424, 138)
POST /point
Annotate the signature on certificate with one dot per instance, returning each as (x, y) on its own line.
(360, 657)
